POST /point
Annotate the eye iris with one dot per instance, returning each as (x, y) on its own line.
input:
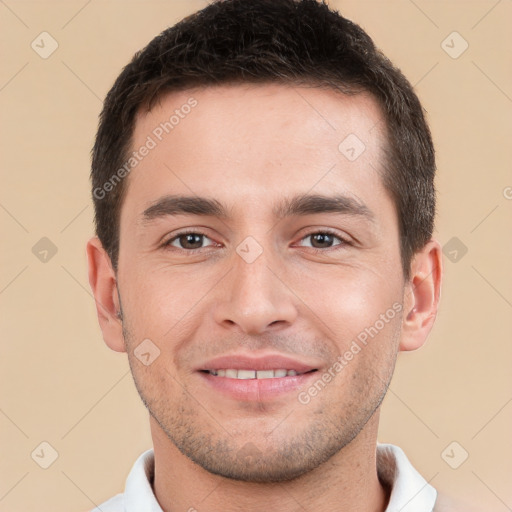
(191, 241)
(322, 238)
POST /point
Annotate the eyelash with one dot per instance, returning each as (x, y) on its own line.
(344, 241)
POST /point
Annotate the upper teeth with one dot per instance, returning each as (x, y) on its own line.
(252, 374)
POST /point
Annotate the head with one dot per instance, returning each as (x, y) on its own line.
(263, 182)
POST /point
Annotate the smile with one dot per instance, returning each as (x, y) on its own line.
(233, 373)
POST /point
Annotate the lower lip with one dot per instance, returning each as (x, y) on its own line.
(257, 389)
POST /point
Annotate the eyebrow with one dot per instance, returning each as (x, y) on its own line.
(307, 204)
(304, 204)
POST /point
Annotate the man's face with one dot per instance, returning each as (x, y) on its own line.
(271, 276)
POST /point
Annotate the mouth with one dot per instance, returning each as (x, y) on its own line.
(247, 374)
(257, 376)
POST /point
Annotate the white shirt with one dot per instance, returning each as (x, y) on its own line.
(410, 492)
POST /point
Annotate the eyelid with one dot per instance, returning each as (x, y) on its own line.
(187, 231)
(345, 240)
(191, 231)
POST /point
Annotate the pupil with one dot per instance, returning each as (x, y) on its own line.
(191, 239)
(322, 238)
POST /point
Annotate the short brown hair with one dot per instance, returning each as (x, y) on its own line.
(298, 42)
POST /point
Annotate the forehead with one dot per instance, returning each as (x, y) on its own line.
(247, 143)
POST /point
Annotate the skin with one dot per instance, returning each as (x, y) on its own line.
(249, 147)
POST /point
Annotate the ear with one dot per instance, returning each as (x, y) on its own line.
(421, 296)
(103, 282)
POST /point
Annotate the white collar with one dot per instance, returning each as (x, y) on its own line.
(410, 492)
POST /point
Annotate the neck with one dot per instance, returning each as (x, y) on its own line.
(348, 481)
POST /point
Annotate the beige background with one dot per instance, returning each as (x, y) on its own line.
(61, 384)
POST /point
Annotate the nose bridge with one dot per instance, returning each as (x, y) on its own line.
(254, 298)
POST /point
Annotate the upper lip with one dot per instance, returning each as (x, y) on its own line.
(246, 362)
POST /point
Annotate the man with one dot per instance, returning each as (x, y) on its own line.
(263, 181)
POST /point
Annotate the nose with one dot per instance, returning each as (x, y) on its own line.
(254, 298)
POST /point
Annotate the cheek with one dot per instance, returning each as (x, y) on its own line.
(348, 300)
(158, 303)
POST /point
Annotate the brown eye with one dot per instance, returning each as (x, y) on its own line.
(188, 241)
(191, 241)
(323, 240)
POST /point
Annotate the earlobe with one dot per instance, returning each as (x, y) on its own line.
(103, 282)
(421, 296)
